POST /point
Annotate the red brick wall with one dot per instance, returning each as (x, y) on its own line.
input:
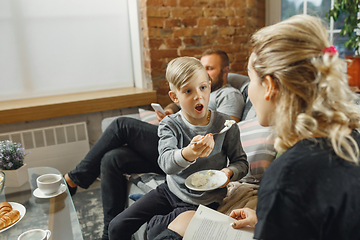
(174, 28)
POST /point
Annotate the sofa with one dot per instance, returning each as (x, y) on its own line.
(256, 141)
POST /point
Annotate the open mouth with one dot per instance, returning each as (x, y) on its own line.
(199, 107)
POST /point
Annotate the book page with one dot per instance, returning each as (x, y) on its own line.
(212, 225)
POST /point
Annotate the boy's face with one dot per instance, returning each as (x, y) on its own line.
(194, 98)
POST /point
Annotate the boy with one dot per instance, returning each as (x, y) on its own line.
(178, 158)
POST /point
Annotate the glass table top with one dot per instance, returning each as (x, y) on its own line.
(57, 214)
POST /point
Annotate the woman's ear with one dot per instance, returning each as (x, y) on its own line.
(270, 85)
(173, 97)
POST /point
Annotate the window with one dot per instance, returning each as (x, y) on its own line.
(51, 47)
(312, 7)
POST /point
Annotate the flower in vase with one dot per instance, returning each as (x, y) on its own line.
(11, 155)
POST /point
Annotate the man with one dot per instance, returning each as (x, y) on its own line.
(131, 146)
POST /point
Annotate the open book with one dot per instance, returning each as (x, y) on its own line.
(212, 225)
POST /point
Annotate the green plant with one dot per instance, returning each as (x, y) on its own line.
(350, 8)
(11, 155)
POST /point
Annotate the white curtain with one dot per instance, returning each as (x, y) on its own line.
(50, 47)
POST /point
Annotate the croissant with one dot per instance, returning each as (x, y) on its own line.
(5, 204)
(5, 207)
(9, 218)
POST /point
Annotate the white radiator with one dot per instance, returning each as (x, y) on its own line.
(61, 147)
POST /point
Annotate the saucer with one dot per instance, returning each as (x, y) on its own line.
(39, 194)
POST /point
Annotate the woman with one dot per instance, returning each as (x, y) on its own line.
(298, 87)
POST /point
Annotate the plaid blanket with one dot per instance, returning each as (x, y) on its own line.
(146, 181)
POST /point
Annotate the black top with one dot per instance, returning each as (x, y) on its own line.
(309, 193)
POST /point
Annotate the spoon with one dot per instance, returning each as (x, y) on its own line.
(221, 131)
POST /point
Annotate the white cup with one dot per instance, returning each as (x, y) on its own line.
(49, 183)
(35, 234)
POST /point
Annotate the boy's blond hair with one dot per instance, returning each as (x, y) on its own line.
(314, 98)
(180, 70)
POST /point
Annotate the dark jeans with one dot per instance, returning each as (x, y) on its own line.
(159, 207)
(168, 234)
(127, 146)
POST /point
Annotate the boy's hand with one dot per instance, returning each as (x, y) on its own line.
(228, 172)
(204, 145)
(202, 148)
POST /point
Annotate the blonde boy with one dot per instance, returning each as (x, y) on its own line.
(179, 156)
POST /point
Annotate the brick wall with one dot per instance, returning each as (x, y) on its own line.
(174, 28)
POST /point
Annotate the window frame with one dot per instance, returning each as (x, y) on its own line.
(273, 15)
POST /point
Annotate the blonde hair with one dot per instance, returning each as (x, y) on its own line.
(181, 69)
(314, 99)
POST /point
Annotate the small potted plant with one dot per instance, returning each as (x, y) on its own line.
(350, 28)
(12, 163)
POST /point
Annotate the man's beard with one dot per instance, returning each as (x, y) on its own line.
(218, 83)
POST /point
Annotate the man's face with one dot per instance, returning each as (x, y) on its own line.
(212, 64)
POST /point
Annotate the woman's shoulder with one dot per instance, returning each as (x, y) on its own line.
(302, 163)
(292, 165)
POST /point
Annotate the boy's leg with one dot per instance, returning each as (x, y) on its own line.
(168, 234)
(114, 184)
(123, 130)
(124, 225)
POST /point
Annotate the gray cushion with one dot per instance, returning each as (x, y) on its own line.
(237, 80)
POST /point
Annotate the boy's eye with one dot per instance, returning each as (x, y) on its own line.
(187, 91)
(203, 87)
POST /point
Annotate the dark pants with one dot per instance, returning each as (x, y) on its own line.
(160, 206)
(127, 146)
(168, 234)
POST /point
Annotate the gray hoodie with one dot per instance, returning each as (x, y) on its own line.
(176, 132)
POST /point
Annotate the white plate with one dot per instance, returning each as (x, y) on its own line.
(21, 209)
(39, 194)
(215, 181)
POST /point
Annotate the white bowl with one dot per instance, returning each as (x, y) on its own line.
(49, 183)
